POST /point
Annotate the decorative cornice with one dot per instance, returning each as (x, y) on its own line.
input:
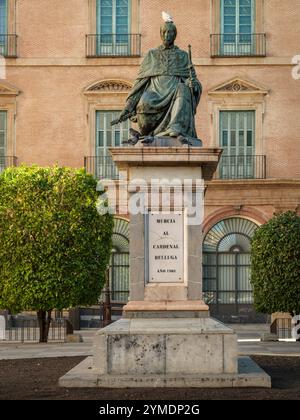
(108, 86)
(225, 212)
(7, 89)
(238, 86)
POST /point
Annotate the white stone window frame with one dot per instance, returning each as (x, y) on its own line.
(238, 95)
(8, 104)
(104, 95)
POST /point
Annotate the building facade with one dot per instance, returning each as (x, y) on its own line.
(66, 71)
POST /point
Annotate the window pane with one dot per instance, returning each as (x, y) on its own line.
(249, 138)
(229, 10)
(245, 298)
(117, 138)
(224, 119)
(2, 139)
(107, 135)
(210, 259)
(106, 11)
(225, 139)
(233, 138)
(229, 20)
(3, 16)
(241, 138)
(2, 120)
(108, 138)
(226, 259)
(237, 18)
(226, 298)
(2, 136)
(100, 139)
(113, 18)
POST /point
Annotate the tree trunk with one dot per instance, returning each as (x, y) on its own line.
(44, 324)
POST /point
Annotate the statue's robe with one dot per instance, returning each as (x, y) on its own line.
(163, 102)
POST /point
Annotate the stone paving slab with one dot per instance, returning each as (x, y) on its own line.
(32, 351)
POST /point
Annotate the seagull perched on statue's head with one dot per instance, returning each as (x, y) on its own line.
(167, 17)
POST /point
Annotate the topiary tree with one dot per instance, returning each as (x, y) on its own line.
(275, 265)
(55, 247)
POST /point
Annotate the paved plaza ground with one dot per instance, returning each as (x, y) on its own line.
(248, 336)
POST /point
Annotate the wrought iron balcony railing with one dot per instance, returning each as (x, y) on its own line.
(8, 45)
(238, 45)
(230, 167)
(101, 167)
(7, 161)
(241, 167)
(112, 45)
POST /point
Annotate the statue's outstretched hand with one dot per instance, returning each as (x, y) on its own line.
(125, 115)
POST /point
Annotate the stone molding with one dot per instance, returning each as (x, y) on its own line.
(231, 211)
(7, 89)
(109, 86)
(237, 85)
(8, 103)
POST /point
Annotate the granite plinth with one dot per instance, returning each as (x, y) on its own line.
(195, 352)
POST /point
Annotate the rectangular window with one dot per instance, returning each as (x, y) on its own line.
(237, 27)
(113, 27)
(3, 26)
(237, 138)
(108, 136)
(3, 135)
(3, 17)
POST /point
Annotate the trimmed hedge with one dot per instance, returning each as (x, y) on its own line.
(55, 247)
(275, 265)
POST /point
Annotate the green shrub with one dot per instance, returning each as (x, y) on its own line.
(55, 247)
(275, 265)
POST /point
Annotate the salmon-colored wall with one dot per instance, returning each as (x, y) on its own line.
(51, 72)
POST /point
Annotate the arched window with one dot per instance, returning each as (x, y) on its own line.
(226, 269)
(119, 265)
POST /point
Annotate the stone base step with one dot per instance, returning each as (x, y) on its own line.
(249, 375)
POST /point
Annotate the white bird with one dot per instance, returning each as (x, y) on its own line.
(167, 17)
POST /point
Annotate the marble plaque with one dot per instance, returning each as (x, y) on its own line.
(166, 247)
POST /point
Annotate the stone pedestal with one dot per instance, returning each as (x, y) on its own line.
(178, 290)
(166, 337)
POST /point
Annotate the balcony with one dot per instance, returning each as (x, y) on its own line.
(241, 167)
(230, 167)
(238, 45)
(7, 161)
(113, 45)
(101, 167)
(8, 45)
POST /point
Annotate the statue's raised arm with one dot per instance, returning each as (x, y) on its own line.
(166, 93)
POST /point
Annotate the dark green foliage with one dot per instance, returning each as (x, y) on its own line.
(55, 247)
(275, 267)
